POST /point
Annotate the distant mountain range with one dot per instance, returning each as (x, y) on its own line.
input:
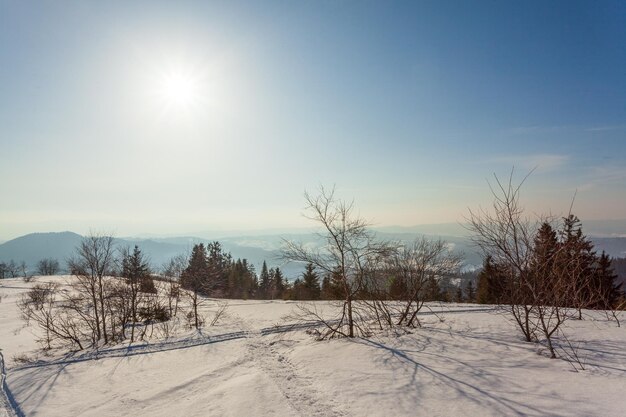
(257, 248)
(33, 247)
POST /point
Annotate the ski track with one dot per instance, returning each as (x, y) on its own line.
(263, 349)
(8, 405)
(247, 332)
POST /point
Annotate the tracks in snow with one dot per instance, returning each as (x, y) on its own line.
(8, 405)
(263, 352)
(297, 388)
(138, 350)
(149, 348)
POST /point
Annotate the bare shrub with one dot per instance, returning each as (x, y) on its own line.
(48, 266)
(349, 252)
(219, 313)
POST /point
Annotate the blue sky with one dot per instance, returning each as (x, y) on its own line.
(408, 107)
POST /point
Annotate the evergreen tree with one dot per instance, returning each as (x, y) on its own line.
(298, 291)
(458, 296)
(278, 283)
(544, 276)
(331, 287)
(491, 283)
(327, 291)
(605, 279)
(134, 266)
(310, 283)
(242, 280)
(471, 292)
(433, 292)
(576, 262)
(235, 275)
(135, 270)
(264, 283)
(195, 278)
(249, 280)
(397, 288)
(219, 263)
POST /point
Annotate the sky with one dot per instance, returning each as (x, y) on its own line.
(177, 117)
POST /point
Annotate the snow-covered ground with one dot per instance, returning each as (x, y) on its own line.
(471, 363)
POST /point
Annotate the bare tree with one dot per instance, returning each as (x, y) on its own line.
(416, 265)
(350, 250)
(40, 306)
(95, 259)
(11, 269)
(506, 235)
(194, 278)
(98, 306)
(48, 266)
(134, 271)
(544, 276)
(172, 272)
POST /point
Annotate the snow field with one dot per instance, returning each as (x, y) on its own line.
(473, 363)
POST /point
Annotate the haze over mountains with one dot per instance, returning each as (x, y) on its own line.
(259, 246)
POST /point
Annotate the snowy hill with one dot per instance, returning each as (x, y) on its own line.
(466, 360)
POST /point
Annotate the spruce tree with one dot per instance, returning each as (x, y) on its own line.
(471, 292)
(327, 292)
(458, 296)
(278, 283)
(433, 292)
(492, 282)
(219, 263)
(298, 291)
(264, 283)
(544, 276)
(135, 270)
(310, 283)
(576, 262)
(605, 280)
(195, 278)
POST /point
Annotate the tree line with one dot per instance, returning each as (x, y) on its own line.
(540, 270)
(12, 269)
(542, 273)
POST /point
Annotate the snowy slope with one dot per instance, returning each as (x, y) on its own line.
(470, 364)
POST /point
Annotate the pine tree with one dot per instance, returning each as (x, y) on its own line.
(278, 283)
(605, 278)
(576, 262)
(135, 270)
(491, 283)
(196, 274)
(310, 283)
(458, 296)
(298, 291)
(544, 276)
(249, 281)
(264, 283)
(471, 292)
(195, 278)
(327, 292)
(433, 292)
(219, 263)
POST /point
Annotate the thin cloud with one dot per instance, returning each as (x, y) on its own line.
(542, 162)
(605, 128)
(539, 129)
(526, 130)
(604, 175)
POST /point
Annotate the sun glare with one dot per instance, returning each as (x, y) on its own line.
(178, 90)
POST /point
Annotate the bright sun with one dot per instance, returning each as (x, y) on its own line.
(178, 90)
